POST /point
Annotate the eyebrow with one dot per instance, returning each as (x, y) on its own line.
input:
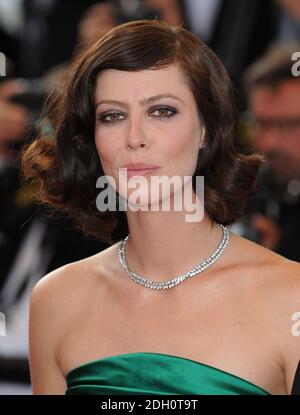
(143, 101)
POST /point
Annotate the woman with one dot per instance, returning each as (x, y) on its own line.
(150, 93)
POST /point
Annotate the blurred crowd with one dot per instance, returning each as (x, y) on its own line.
(255, 39)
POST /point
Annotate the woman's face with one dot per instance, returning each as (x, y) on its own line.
(164, 132)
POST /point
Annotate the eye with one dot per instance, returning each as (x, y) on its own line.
(103, 117)
(164, 110)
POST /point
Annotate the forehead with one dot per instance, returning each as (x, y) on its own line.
(144, 82)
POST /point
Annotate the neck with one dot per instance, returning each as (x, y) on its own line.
(162, 245)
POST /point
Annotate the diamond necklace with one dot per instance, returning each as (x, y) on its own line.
(154, 285)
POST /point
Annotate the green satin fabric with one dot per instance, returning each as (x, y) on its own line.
(154, 373)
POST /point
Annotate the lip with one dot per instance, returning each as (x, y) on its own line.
(138, 166)
(138, 169)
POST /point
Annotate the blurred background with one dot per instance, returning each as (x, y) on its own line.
(255, 39)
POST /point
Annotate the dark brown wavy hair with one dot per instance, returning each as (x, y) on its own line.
(63, 160)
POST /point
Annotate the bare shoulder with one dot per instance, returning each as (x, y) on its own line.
(276, 282)
(271, 272)
(73, 279)
(55, 303)
(64, 290)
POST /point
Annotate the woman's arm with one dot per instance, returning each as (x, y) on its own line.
(45, 326)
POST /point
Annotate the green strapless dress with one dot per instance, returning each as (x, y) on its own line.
(150, 373)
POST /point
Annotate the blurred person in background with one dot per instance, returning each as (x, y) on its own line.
(274, 108)
(238, 31)
(289, 24)
(96, 21)
(38, 35)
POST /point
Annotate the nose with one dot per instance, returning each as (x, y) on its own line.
(136, 137)
(133, 146)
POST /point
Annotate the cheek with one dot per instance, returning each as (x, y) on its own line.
(105, 147)
(179, 141)
(182, 149)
